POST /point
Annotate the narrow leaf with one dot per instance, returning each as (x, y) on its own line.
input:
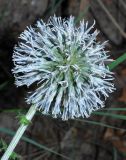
(116, 116)
(117, 62)
(100, 124)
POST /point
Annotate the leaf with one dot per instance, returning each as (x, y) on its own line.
(100, 124)
(115, 109)
(13, 110)
(116, 116)
(117, 62)
(3, 145)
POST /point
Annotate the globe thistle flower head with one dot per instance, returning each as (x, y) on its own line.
(67, 65)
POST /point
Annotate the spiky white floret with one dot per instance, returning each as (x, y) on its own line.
(66, 64)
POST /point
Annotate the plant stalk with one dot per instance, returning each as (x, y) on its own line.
(31, 112)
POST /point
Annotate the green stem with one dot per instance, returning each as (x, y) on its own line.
(19, 134)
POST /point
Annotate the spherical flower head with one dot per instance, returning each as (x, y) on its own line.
(67, 66)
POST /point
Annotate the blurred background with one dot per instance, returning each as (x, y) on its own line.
(103, 135)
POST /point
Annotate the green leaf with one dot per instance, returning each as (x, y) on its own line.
(115, 109)
(117, 62)
(29, 140)
(13, 110)
(3, 145)
(100, 124)
(116, 116)
(14, 156)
